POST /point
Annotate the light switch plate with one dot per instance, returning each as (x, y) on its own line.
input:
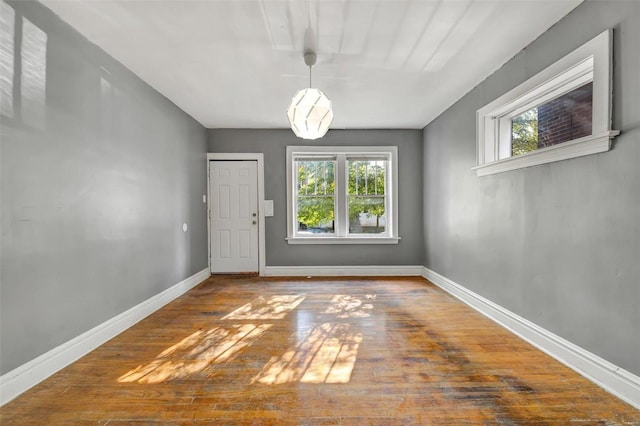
(268, 208)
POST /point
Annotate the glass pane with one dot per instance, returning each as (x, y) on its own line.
(316, 204)
(524, 132)
(315, 177)
(560, 120)
(367, 215)
(367, 177)
(315, 214)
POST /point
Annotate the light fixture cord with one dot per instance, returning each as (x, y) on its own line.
(309, 76)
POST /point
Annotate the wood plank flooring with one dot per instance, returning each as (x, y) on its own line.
(250, 350)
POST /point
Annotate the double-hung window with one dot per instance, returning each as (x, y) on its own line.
(342, 195)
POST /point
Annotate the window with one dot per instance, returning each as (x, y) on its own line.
(338, 195)
(560, 113)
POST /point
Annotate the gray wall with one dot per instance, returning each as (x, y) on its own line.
(558, 244)
(273, 144)
(99, 172)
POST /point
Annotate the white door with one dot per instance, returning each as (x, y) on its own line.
(234, 216)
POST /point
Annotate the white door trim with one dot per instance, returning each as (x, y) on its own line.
(259, 157)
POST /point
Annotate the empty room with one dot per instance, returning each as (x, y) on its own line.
(363, 212)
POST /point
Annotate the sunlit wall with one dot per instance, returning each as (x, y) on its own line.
(98, 174)
(559, 243)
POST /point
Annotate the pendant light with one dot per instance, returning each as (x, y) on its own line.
(310, 113)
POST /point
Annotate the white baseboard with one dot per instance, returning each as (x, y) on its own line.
(610, 377)
(33, 372)
(342, 271)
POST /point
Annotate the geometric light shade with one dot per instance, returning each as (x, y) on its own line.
(310, 114)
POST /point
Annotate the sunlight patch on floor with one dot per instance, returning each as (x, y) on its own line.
(327, 355)
(266, 308)
(325, 352)
(345, 306)
(196, 352)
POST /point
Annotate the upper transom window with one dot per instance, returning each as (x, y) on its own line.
(560, 113)
(341, 195)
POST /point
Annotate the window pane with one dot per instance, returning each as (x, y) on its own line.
(561, 120)
(367, 215)
(316, 204)
(367, 177)
(524, 132)
(566, 118)
(315, 177)
(366, 196)
(316, 214)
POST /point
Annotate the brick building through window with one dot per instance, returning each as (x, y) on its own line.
(566, 118)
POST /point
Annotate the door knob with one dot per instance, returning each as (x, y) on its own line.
(254, 215)
(254, 222)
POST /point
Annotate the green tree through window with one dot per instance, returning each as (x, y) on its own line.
(342, 195)
(524, 132)
(366, 195)
(366, 190)
(316, 195)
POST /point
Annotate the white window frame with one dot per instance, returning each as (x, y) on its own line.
(341, 235)
(590, 62)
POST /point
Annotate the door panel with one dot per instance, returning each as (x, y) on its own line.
(234, 216)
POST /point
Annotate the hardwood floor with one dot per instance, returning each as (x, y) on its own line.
(250, 350)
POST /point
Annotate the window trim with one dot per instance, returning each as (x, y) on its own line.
(591, 62)
(342, 235)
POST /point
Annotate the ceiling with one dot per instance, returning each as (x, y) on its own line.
(383, 63)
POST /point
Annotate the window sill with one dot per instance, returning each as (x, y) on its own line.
(343, 240)
(584, 146)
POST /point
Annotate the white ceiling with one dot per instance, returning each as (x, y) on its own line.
(383, 63)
